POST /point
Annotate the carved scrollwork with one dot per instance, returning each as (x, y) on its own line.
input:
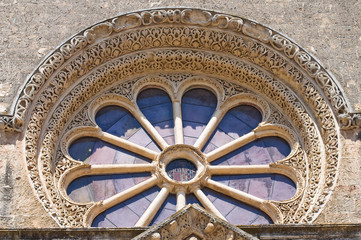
(187, 17)
(280, 95)
(169, 47)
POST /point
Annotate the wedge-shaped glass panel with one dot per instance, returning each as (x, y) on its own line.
(198, 106)
(168, 208)
(156, 106)
(121, 123)
(259, 152)
(127, 213)
(236, 122)
(100, 187)
(94, 151)
(236, 212)
(266, 186)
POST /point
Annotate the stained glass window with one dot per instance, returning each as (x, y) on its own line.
(165, 170)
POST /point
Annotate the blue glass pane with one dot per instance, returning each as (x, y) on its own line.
(95, 151)
(181, 170)
(100, 187)
(236, 123)
(120, 122)
(168, 208)
(82, 148)
(192, 199)
(127, 213)
(198, 106)
(261, 151)
(236, 212)
(109, 115)
(156, 106)
(266, 186)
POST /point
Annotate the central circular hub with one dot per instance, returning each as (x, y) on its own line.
(181, 166)
(181, 170)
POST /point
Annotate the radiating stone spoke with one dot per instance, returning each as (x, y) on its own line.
(153, 208)
(178, 122)
(120, 197)
(244, 169)
(211, 126)
(207, 203)
(259, 132)
(131, 192)
(254, 169)
(88, 170)
(151, 130)
(127, 145)
(231, 146)
(236, 194)
(120, 168)
(181, 199)
(264, 205)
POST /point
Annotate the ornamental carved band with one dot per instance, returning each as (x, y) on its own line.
(176, 50)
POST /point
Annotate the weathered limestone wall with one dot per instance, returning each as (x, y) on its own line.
(30, 29)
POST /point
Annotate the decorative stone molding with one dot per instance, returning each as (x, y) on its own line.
(175, 50)
(266, 53)
(193, 223)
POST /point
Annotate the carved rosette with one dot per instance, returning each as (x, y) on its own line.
(170, 48)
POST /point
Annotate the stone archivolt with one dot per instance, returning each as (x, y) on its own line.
(178, 49)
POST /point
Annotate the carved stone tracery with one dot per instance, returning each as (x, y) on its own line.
(228, 55)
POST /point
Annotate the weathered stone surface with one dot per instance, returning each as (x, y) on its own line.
(344, 205)
(338, 231)
(51, 233)
(317, 231)
(19, 208)
(31, 29)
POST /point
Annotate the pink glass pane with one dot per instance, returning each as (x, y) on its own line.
(266, 186)
(236, 123)
(168, 208)
(121, 123)
(127, 213)
(236, 212)
(181, 170)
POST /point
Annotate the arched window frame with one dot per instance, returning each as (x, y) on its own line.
(269, 126)
(256, 56)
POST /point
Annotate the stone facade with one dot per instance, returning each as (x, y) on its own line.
(329, 31)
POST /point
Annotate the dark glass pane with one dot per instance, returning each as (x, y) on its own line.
(198, 106)
(237, 122)
(192, 199)
(261, 151)
(100, 187)
(109, 115)
(120, 122)
(156, 106)
(236, 212)
(127, 213)
(266, 186)
(82, 148)
(181, 170)
(168, 208)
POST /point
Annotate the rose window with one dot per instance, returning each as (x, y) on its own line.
(144, 160)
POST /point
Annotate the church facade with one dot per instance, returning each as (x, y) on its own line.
(185, 123)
